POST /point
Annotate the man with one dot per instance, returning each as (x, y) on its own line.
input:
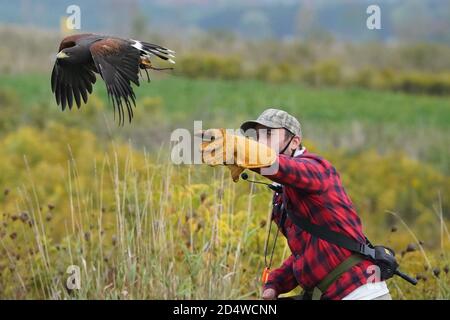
(312, 189)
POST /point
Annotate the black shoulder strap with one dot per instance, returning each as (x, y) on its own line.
(340, 240)
(331, 236)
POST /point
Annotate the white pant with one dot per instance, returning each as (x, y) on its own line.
(370, 291)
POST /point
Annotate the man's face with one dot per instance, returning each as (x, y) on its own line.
(274, 138)
(277, 139)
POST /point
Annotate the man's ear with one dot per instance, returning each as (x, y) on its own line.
(295, 143)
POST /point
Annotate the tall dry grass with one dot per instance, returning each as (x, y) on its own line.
(151, 238)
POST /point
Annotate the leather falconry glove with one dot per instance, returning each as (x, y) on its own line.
(236, 152)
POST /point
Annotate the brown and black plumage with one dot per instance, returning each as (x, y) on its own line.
(118, 61)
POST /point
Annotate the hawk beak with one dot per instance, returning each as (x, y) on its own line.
(61, 55)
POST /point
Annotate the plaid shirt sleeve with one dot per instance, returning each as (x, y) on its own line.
(282, 279)
(307, 174)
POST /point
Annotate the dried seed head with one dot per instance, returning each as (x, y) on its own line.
(436, 271)
(411, 247)
(50, 206)
(14, 217)
(262, 224)
(114, 240)
(24, 216)
(48, 217)
(421, 276)
(6, 192)
(446, 269)
(13, 235)
(394, 229)
(202, 197)
(87, 236)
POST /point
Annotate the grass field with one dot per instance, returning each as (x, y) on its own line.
(79, 190)
(353, 119)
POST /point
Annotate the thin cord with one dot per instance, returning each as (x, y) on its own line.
(287, 145)
(274, 241)
(273, 247)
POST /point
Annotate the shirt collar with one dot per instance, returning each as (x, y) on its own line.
(299, 152)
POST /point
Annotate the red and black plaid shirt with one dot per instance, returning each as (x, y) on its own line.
(313, 190)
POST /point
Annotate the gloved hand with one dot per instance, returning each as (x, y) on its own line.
(236, 152)
(213, 136)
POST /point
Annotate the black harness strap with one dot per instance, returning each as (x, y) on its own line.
(333, 237)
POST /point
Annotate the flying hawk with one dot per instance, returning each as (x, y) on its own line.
(118, 61)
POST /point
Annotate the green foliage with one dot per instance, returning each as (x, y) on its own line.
(438, 84)
(326, 73)
(276, 73)
(210, 66)
(407, 186)
(321, 73)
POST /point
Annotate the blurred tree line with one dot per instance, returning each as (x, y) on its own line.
(422, 68)
(412, 68)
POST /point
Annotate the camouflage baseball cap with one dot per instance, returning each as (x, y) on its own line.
(275, 119)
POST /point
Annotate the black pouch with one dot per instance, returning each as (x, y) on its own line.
(385, 260)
